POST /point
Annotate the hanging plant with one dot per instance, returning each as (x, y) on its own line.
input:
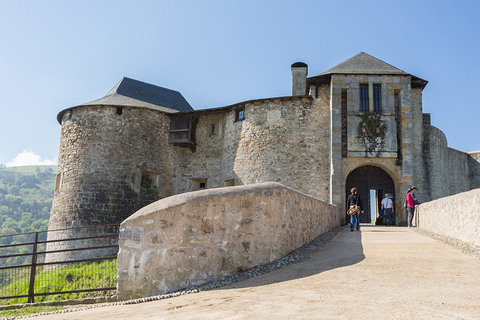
(371, 123)
(372, 130)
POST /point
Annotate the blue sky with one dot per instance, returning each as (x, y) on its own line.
(58, 54)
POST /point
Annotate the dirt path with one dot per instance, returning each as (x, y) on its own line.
(378, 273)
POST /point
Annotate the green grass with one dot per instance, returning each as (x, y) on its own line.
(68, 278)
(29, 169)
(27, 310)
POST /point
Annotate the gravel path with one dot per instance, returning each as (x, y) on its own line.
(379, 273)
(466, 248)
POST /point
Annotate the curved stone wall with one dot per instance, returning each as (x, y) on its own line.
(283, 140)
(474, 164)
(445, 171)
(286, 143)
(194, 237)
(112, 162)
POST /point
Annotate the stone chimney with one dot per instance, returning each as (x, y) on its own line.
(299, 79)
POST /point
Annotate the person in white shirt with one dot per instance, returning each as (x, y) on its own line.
(387, 206)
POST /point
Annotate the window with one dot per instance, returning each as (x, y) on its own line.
(239, 114)
(212, 132)
(377, 98)
(198, 184)
(364, 97)
(58, 182)
(119, 110)
(182, 131)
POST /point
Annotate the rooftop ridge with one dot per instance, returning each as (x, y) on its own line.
(363, 63)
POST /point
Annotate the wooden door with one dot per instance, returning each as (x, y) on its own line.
(368, 178)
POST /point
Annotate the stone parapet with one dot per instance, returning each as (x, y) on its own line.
(456, 217)
(191, 238)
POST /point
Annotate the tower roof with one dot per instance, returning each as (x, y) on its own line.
(363, 63)
(144, 92)
(133, 93)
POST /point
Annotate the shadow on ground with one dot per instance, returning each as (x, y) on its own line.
(343, 250)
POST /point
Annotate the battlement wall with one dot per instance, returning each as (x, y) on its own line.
(195, 237)
(456, 217)
(444, 171)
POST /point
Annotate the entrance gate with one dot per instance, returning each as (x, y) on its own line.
(368, 178)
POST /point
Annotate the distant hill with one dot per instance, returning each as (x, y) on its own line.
(26, 195)
(29, 169)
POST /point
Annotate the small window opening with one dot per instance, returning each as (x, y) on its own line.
(198, 184)
(212, 132)
(58, 181)
(119, 110)
(149, 181)
(364, 105)
(146, 182)
(240, 114)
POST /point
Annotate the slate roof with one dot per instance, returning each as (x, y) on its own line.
(363, 63)
(144, 92)
(133, 93)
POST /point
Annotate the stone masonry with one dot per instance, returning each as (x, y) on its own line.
(195, 237)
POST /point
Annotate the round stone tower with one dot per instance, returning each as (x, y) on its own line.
(114, 159)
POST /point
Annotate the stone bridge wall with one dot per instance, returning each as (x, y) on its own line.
(195, 237)
(457, 217)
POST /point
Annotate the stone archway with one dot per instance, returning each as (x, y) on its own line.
(368, 178)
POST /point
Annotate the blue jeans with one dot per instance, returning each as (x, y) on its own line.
(354, 221)
(389, 215)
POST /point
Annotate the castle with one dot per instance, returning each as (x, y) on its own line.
(359, 124)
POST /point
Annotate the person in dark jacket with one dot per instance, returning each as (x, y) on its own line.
(354, 200)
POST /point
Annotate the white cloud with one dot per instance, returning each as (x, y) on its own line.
(28, 158)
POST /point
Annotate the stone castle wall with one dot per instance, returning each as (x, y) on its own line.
(474, 164)
(111, 165)
(280, 140)
(446, 171)
(195, 237)
(413, 159)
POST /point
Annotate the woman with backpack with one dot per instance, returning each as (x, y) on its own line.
(352, 201)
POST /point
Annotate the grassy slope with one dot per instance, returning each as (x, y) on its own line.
(73, 277)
